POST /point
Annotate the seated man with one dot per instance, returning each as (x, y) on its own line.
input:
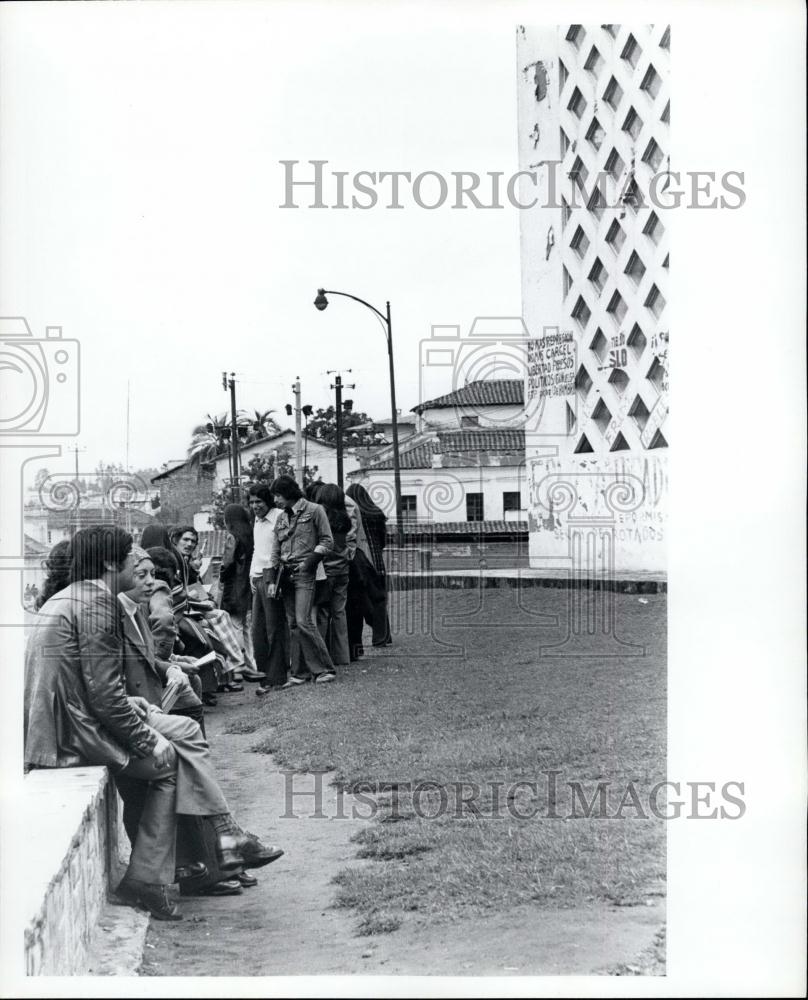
(77, 713)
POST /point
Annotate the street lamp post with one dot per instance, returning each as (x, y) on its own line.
(321, 302)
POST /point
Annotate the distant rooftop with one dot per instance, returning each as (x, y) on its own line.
(485, 392)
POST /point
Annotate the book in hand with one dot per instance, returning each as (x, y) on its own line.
(177, 694)
(203, 661)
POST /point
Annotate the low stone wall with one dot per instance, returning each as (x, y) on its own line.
(75, 852)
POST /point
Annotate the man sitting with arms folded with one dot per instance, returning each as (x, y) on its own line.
(77, 713)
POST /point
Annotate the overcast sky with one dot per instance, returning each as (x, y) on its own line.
(142, 146)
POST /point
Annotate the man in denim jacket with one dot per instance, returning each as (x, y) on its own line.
(300, 539)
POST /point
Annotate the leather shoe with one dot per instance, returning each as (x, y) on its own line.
(227, 852)
(195, 870)
(255, 854)
(149, 896)
(252, 675)
(247, 880)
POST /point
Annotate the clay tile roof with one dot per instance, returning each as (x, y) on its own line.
(486, 392)
(490, 439)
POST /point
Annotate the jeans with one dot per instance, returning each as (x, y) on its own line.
(332, 620)
(270, 636)
(309, 652)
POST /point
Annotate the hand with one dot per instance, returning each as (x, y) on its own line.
(254, 583)
(163, 753)
(309, 564)
(177, 675)
(140, 705)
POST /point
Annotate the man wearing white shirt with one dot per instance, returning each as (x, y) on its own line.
(270, 632)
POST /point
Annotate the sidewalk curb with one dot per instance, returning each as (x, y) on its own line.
(517, 579)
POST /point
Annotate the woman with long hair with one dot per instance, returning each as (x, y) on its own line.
(367, 595)
(58, 567)
(235, 576)
(331, 617)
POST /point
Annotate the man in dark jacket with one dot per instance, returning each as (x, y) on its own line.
(77, 713)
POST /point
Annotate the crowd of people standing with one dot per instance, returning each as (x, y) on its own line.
(129, 648)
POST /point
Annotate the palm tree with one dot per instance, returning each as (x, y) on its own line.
(261, 424)
(209, 441)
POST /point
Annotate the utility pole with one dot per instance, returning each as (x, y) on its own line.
(75, 449)
(234, 464)
(339, 387)
(300, 468)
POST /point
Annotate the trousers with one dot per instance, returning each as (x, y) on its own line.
(332, 621)
(187, 786)
(270, 636)
(309, 651)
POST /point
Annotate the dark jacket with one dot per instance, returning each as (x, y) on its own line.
(76, 708)
(235, 576)
(161, 620)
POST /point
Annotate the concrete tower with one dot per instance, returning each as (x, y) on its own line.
(594, 114)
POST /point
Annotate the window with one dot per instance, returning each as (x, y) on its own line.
(610, 29)
(583, 446)
(579, 173)
(656, 375)
(666, 114)
(633, 123)
(409, 507)
(613, 94)
(576, 35)
(658, 441)
(474, 507)
(470, 421)
(635, 268)
(566, 212)
(567, 280)
(583, 383)
(599, 345)
(597, 204)
(617, 308)
(597, 275)
(631, 52)
(562, 75)
(581, 312)
(632, 196)
(666, 261)
(511, 503)
(614, 164)
(565, 142)
(594, 133)
(618, 380)
(577, 104)
(652, 155)
(653, 228)
(580, 242)
(594, 61)
(651, 82)
(636, 341)
(665, 41)
(620, 443)
(570, 418)
(639, 413)
(616, 236)
(655, 301)
(601, 416)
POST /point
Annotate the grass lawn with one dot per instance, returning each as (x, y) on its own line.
(470, 704)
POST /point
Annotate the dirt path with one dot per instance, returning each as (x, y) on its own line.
(286, 926)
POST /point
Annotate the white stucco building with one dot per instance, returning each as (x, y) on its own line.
(594, 113)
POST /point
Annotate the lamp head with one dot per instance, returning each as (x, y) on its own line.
(321, 301)
(288, 408)
(307, 411)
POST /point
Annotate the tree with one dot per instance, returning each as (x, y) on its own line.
(211, 440)
(260, 469)
(323, 425)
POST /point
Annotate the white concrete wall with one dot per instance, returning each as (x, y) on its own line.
(441, 493)
(488, 416)
(624, 476)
